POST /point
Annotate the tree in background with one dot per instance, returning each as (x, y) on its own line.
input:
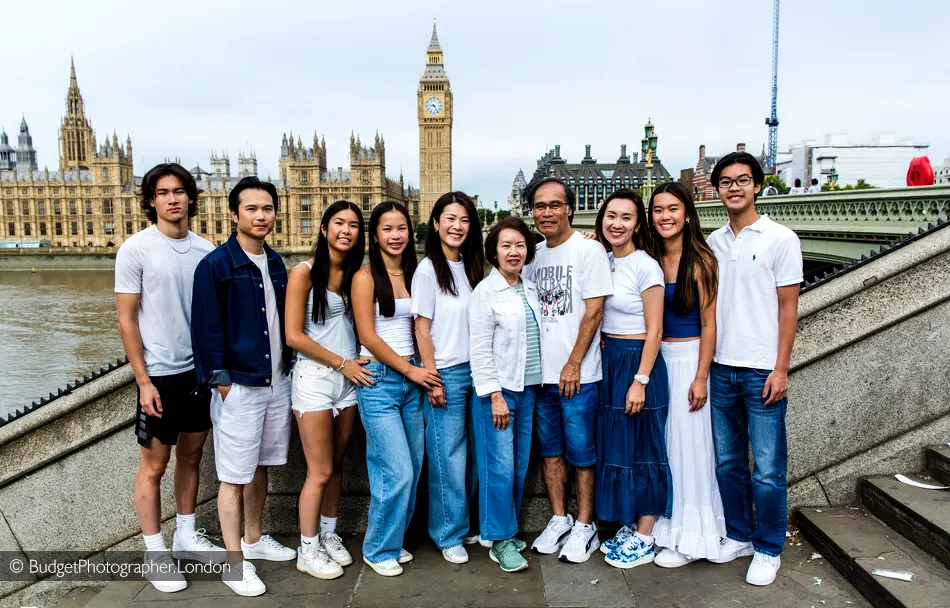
(486, 217)
(422, 229)
(500, 215)
(860, 185)
(775, 180)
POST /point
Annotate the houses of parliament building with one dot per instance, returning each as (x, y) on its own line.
(91, 201)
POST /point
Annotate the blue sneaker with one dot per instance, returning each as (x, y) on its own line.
(631, 553)
(610, 545)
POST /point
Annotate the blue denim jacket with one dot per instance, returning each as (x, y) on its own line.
(228, 320)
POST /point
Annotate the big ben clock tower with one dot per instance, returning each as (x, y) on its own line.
(435, 110)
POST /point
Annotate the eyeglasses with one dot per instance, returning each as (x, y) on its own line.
(554, 207)
(726, 182)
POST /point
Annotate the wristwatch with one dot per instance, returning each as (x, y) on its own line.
(644, 380)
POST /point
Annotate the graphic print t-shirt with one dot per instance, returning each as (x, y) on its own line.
(566, 275)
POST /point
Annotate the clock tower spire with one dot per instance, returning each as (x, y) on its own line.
(435, 110)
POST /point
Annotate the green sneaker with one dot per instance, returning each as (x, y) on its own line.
(520, 545)
(506, 554)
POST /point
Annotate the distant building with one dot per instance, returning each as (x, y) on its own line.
(7, 153)
(881, 163)
(941, 173)
(703, 188)
(25, 153)
(517, 190)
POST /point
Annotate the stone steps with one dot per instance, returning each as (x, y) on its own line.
(938, 463)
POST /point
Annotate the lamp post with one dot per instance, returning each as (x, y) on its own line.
(833, 178)
(648, 147)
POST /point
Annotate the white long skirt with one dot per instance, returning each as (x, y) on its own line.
(697, 524)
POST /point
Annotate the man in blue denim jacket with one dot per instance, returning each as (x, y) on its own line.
(237, 334)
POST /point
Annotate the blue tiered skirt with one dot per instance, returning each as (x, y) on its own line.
(633, 471)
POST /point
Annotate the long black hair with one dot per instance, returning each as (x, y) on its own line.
(473, 253)
(695, 255)
(382, 286)
(320, 272)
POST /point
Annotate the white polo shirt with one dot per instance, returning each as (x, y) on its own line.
(752, 264)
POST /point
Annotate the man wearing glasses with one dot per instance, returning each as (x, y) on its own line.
(573, 278)
(760, 269)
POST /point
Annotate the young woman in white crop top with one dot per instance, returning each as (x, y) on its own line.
(319, 326)
(633, 476)
(391, 408)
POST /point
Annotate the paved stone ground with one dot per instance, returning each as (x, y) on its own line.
(430, 582)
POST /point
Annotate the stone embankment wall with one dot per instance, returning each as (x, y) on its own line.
(869, 388)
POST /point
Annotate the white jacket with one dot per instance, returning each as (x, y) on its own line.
(498, 340)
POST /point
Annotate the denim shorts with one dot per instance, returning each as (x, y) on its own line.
(566, 426)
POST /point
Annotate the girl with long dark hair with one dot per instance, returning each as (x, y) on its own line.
(319, 326)
(441, 288)
(689, 342)
(633, 477)
(391, 407)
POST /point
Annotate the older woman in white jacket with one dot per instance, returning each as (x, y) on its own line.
(505, 344)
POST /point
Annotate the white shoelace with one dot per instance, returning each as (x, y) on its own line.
(269, 540)
(249, 569)
(333, 542)
(580, 533)
(201, 540)
(552, 525)
(762, 559)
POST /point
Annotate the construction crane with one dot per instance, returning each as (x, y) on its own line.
(772, 121)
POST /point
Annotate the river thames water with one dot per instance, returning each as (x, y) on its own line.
(57, 325)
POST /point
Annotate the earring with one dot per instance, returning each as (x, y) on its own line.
(687, 220)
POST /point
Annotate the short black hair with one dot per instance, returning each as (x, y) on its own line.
(739, 158)
(251, 182)
(569, 197)
(514, 223)
(814, 181)
(150, 181)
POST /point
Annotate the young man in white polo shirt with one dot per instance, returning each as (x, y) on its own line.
(760, 269)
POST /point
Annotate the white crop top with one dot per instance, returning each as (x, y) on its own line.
(632, 275)
(396, 331)
(336, 332)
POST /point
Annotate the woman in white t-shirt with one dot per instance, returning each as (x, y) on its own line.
(633, 476)
(391, 407)
(319, 326)
(441, 288)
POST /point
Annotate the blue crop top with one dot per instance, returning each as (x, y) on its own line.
(676, 325)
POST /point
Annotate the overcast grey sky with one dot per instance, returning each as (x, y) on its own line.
(186, 77)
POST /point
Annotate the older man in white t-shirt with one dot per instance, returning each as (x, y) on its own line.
(572, 275)
(760, 269)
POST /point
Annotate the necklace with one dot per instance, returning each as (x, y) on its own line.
(169, 242)
(396, 274)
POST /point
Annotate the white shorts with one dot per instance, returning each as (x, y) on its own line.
(318, 387)
(251, 429)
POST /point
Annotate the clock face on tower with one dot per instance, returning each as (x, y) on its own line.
(433, 106)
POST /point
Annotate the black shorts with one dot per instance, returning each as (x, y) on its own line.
(183, 410)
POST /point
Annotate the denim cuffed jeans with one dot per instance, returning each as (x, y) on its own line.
(503, 462)
(447, 450)
(391, 411)
(739, 415)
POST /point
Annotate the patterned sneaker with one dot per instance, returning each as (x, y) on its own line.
(198, 548)
(554, 536)
(333, 545)
(582, 542)
(611, 544)
(317, 563)
(505, 553)
(631, 553)
(269, 549)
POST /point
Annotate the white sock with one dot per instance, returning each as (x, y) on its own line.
(308, 541)
(648, 540)
(561, 519)
(155, 542)
(185, 525)
(327, 525)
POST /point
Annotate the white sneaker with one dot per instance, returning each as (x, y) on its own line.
(477, 538)
(163, 572)
(671, 558)
(197, 547)
(580, 544)
(554, 536)
(387, 567)
(731, 549)
(622, 534)
(269, 549)
(455, 555)
(249, 585)
(317, 563)
(763, 569)
(333, 545)
(404, 557)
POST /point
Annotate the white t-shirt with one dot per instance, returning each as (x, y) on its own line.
(448, 313)
(566, 275)
(632, 275)
(149, 263)
(797, 190)
(273, 318)
(814, 189)
(762, 257)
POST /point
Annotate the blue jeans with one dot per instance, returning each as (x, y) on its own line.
(391, 411)
(503, 463)
(739, 414)
(566, 426)
(447, 449)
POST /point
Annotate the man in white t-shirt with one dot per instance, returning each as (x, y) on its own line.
(154, 270)
(572, 275)
(815, 188)
(760, 269)
(241, 351)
